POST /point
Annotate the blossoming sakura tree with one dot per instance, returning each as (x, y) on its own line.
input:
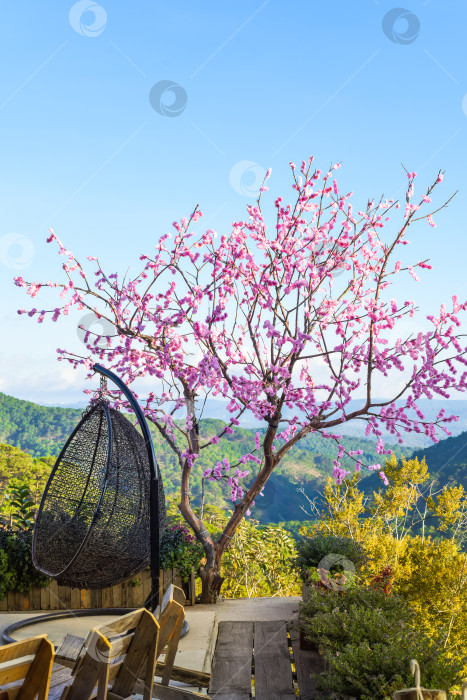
(287, 324)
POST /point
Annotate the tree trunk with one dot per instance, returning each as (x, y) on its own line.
(212, 582)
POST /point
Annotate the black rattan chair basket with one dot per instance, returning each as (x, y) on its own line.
(93, 527)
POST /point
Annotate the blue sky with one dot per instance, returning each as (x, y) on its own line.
(84, 151)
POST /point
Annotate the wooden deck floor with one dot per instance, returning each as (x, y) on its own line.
(262, 660)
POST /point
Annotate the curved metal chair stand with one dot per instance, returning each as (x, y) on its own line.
(63, 614)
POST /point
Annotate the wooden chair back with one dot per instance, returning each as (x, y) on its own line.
(171, 621)
(117, 653)
(28, 678)
(119, 657)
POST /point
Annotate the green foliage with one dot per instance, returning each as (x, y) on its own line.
(17, 572)
(430, 574)
(433, 578)
(20, 505)
(259, 562)
(180, 550)
(259, 559)
(19, 467)
(368, 640)
(40, 430)
(312, 551)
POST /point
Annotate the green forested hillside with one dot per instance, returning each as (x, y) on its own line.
(39, 430)
(447, 459)
(42, 430)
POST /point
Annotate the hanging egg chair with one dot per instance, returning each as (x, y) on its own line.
(93, 525)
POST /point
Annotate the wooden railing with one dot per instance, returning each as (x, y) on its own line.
(129, 594)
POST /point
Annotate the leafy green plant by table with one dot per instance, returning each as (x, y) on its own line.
(180, 550)
(367, 639)
(338, 554)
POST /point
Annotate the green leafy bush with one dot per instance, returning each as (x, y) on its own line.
(312, 550)
(368, 639)
(21, 507)
(180, 550)
(17, 572)
(259, 562)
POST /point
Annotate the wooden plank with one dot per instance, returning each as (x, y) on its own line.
(35, 598)
(172, 614)
(107, 598)
(166, 576)
(130, 594)
(61, 677)
(23, 601)
(120, 645)
(141, 653)
(4, 603)
(120, 624)
(187, 675)
(14, 672)
(165, 692)
(138, 595)
(96, 598)
(64, 597)
(75, 599)
(172, 643)
(69, 650)
(85, 597)
(273, 672)
(37, 680)
(23, 648)
(54, 599)
(307, 663)
(45, 598)
(92, 669)
(126, 594)
(177, 579)
(117, 594)
(123, 595)
(13, 600)
(231, 668)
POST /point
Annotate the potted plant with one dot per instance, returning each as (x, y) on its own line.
(329, 561)
(180, 556)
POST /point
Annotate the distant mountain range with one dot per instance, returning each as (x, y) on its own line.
(42, 430)
(217, 409)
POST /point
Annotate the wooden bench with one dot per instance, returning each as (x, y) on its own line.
(170, 617)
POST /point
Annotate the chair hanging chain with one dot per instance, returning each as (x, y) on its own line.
(103, 385)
